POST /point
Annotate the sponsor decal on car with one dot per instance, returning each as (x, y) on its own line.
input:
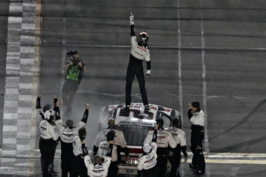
(146, 124)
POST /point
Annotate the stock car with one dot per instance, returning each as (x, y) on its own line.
(135, 127)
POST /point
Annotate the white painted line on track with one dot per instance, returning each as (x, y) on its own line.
(206, 139)
(179, 64)
(63, 54)
(180, 88)
(160, 47)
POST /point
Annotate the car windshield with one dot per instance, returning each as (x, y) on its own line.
(134, 135)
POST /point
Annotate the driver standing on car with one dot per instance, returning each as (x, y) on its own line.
(139, 52)
(119, 139)
(166, 145)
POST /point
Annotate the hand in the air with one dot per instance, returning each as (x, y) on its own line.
(131, 17)
(87, 106)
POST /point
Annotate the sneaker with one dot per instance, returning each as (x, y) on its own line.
(199, 172)
(146, 109)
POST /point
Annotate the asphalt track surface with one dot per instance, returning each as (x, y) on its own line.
(231, 32)
(3, 50)
(232, 63)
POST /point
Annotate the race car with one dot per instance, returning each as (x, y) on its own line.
(135, 127)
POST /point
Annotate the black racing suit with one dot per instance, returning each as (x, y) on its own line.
(135, 68)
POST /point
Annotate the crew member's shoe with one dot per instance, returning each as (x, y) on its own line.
(192, 166)
(54, 173)
(146, 109)
(199, 172)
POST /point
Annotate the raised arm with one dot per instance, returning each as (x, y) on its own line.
(84, 118)
(38, 102)
(86, 113)
(38, 106)
(99, 138)
(132, 27)
(132, 30)
(56, 108)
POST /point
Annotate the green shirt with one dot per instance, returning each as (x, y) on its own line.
(73, 73)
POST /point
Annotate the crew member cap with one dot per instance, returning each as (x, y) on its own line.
(146, 148)
(195, 104)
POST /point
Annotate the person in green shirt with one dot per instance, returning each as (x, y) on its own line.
(74, 69)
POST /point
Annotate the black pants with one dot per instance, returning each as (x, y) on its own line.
(196, 148)
(47, 149)
(151, 172)
(68, 91)
(175, 162)
(79, 168)
(162, 164)
(135, 68)
(113, 169)
(67, 158)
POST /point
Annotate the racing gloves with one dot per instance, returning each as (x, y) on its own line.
(148, 73)
(131, 18)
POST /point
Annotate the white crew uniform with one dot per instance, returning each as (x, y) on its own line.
(98, 170)
(119, 139)
(103, 148)
(147, 162)
(47, 145)
(67, 134)
(78, 150)
(164, 139)
(174, 160)
(198, 118)
(48, 130)
(178, 135)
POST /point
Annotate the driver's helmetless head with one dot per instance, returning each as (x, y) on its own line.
(111, 122)
(97, 159)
